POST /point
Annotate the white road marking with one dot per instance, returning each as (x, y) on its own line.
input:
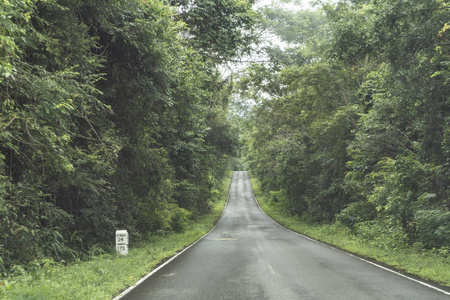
(271, 270)
(362, 259)
(128, 290)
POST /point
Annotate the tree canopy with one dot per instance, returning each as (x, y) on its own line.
(351, 120)
(113, 116)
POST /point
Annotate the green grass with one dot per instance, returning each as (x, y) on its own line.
(105, 276)
(424, 264)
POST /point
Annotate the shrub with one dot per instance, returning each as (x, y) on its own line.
(355, 213)
(386, 233)
(179, 219)
(433, 228)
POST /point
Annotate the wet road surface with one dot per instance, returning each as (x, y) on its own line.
(249, 256)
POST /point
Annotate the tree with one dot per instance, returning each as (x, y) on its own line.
(397, 155)
(56, 147)
(358, 132)
(300, 141)
(109, 118)
(219, 29)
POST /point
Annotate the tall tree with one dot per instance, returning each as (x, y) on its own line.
(110, 117)
(219, 29)
(55, 140)
(362, 125)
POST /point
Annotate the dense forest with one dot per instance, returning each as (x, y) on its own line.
(113, 116)
(116, 114)
(350, 121)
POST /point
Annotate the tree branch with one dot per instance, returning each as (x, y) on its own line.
(9, 123)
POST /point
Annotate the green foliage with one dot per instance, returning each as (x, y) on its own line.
(110, 118)
(15, 18)
(52, 144)
(358, 131)
(300, 139)
(398, 154)
(305, 32)
(433, 228)
(385, 234)
(49, 279)
(179, 219)
(219, 29)
(355, 213)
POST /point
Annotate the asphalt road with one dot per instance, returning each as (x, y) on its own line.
(249, 256)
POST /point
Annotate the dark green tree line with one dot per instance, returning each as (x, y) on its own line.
(111, 116)
(352, 118)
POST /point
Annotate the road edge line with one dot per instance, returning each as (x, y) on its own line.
(128, 290)
(350, 254)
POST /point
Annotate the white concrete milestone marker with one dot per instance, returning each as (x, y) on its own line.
(122, 242)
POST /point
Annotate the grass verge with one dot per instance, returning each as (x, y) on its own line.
(105, 276)
(422, 264)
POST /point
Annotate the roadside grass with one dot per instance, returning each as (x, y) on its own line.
(106, 275)
(426, 265)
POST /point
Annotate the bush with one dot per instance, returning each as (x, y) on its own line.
(179, 219)
(433, 228)
(355, 213)
(386, 234)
